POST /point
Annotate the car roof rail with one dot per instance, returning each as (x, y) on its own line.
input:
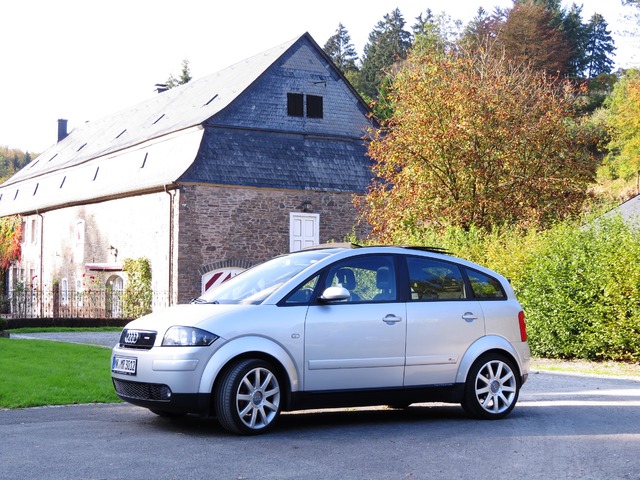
(350, 245)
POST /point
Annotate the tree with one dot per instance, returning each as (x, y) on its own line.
(10, 240)
(388, 44)
(475, 142)
(341, 51)
(623, 119)
(531, 35)
(599, 47)
(185, 76)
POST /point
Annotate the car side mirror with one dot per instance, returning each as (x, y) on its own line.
(334, 294)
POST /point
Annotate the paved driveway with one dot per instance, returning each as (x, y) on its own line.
(567, 427)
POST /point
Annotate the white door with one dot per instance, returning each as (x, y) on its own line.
(303, 230)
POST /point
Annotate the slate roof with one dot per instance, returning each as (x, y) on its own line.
(301, 162)
(160, 141)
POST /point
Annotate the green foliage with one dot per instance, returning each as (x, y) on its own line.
(579, 284)
(341, 51)
(185, 76)
(623, 119)
(137, 296)
(12, 160)
(582, 294)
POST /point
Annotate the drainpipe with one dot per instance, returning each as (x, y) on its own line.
(171, 201)
(41, 270)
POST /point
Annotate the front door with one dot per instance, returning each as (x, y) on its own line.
(359, 342)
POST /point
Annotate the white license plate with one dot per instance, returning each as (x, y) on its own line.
(124, 365)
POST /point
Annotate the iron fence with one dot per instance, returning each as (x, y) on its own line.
(54, 303)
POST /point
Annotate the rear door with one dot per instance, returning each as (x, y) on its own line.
(442, 321)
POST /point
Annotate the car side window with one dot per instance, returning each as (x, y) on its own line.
(485, 286)
(432, 279)
(303, 294)
(368, 278)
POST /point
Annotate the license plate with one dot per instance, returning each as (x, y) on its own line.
(124, 365)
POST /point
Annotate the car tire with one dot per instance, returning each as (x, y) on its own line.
(492, 387)
(248, 397)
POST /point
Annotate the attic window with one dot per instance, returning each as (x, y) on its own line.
(314, 106)
(295, 104)
(158, 119)
(81, 147)
(16, 195)
(144, 161)
(34, 164)
(96, 174)
(53, 157)
(35, 190)
(121, 133)
(62, 183)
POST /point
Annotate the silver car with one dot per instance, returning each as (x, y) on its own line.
(328, 327)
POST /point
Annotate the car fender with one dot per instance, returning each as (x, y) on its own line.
(240, 346)
(480, 346)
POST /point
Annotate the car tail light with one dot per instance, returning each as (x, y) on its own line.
(523, 326)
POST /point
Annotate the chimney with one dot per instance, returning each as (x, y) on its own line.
(161, 87)
(62, 129)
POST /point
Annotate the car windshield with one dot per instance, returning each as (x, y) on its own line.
(254, 285)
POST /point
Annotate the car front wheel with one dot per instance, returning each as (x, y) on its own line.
(248, 397)
(492, 387)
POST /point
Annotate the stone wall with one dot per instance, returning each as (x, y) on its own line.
(238, 226)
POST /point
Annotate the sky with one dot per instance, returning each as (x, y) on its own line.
(81, 60)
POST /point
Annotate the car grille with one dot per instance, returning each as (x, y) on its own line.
(140, 339)
(142, 391)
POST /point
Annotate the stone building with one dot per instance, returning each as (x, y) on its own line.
(203, 180)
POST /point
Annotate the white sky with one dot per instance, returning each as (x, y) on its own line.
(84, 59)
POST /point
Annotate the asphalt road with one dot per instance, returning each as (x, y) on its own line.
(568, 427)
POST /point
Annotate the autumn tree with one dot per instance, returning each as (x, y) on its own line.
(623, 118)
(475, 141)
(341, 51)
(531, 35)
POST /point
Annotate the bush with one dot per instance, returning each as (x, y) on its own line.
(579, 285)
(3, 324)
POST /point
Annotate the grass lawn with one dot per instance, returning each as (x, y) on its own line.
(38, 372)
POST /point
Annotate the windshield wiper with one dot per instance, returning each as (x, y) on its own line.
(201, 301)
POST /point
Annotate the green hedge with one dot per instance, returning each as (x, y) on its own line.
(579, 284)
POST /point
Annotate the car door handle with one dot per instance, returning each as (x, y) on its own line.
(469, 317)
(391, 319)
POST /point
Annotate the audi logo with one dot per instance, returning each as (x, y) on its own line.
(131, 337)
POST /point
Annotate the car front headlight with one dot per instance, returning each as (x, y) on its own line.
(188, 337)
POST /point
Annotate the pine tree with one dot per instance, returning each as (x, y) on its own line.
(185, 76)
(599, 47)
(388, 43)
(341, 51)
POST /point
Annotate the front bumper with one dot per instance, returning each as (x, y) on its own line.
(160, 397)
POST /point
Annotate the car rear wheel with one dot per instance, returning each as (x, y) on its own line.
(492, 387)
(248, 397)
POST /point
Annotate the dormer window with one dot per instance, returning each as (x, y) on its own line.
(296, 105)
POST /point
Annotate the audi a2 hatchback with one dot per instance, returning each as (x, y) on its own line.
(329, 327)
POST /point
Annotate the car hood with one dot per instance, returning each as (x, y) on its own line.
(193, 315)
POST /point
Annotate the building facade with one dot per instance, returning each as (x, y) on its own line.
(203, 180)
